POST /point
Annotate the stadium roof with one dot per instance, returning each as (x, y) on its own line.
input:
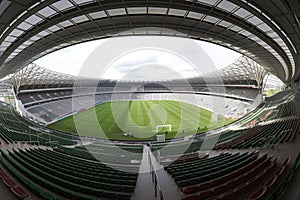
(266, 31)
(243, 71)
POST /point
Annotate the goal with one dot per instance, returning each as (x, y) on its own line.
(165, 127)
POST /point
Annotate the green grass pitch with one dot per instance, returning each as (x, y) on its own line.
(139, 118)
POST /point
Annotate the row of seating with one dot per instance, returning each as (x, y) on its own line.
(189, 147)
(268, 134)
(37, 190)
(69, 176)
(16, 189)
(281, 187)
(230, 186)
(262, 192)
(227, 177)
(106, 153)
(198, 172)
(14, 128)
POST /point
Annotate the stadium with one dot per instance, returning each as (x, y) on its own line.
(158, 134)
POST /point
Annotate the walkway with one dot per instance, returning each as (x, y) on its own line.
(145, 187)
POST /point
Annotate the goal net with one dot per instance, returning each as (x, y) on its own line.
(163, 128)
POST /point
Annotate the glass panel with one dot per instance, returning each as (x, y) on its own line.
(99, 14)
(255, 38)
(10, 39)
(22, 47)
(5, 43)
(226, 5)
(242, 13)
(24, 26)
(209, 2)
(195, 15)
(119, 11)
(35, 38)
(83, 1)
(137, 10)
(44, 33)
(272, 34)
(155, 10)
(47, 11)
(264, 27)
(176, 12)
(33, 19)
(13, 54)
(235, 28)
(225, 24)
(80, 19)
(2, 49)
(255, 20)
(54, 28)
(63, 5)
(16, 32)
(211, 19)
(66, 23)
(245, 33)
(27, 43)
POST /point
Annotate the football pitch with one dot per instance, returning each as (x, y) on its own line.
(140, 120)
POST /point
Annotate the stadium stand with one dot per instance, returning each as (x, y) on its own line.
(51, 109)
(223, 176)
(16, 189)
(85, 181)
(14, 128)
(237, 175)
(255, 157)
(106, 152)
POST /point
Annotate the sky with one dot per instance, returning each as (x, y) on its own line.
(146, 64)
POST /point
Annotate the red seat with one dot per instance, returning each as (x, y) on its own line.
(3, 174)
(205, 194)
(241, 188)
(281, 170)
(190, 197)
(9, 182)
(219, 189)
(228, 195)
(19, 192)
(271, 181)
(287, 161)
(190, 189)
(258, 194)
(252, 180)
(204, 185)
(232, 183)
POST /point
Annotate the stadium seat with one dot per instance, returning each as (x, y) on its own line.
(19, 192)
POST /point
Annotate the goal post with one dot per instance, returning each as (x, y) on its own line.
(161, 127)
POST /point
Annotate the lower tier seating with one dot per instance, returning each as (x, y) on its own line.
(16, 189)
(221, 177)
(71, 177)
(14, 128)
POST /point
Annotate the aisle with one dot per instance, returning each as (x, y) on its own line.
(145, 187)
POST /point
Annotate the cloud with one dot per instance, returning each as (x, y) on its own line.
(71, 59)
